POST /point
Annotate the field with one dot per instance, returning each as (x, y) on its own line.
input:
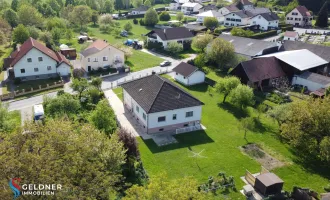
(220, 144)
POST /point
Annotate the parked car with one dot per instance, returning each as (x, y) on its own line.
(165, 63)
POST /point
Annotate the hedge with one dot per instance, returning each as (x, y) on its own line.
(134, 16)
(264, 34)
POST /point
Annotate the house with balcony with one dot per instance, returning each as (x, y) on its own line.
(161, 106)
(32, 60)
(189, 8)
(300, 16)
(100, 54)
(164, 36)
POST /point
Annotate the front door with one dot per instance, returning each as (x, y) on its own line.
(89, 68)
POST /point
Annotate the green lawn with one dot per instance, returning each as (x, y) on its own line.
(27, 85)
(221, 141)
(141, 60)
(119, 92)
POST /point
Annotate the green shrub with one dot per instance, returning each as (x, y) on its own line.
(141, 22)
(164, 16)
(135, 21)
(264, 34)
(218, 30)
(17, 81)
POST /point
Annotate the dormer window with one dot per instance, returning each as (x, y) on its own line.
(29, 59)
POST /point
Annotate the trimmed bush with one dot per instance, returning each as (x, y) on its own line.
(135, 21)
(164, 16)
(141, 22)
(264, 34)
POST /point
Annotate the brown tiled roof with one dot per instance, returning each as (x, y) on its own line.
(261, 69)
(290, 34)
(185, 69)
(303, 11)
(156, 94)
(98, 44)
(232, 8)
(30, 44)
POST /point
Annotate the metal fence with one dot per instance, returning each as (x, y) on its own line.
(129, 78)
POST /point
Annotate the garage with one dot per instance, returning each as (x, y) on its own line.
(63, 69)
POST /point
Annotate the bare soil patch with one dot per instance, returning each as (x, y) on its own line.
(266, 160)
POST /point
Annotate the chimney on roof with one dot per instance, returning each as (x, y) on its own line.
(165, 30)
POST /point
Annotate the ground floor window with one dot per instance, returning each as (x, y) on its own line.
(161, 129)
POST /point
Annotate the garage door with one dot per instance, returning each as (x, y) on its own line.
(63, 70)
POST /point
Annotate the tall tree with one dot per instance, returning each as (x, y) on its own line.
(103, 118)
(95, 17)
(119, 4)
(108, 6)
(29, 16)
(84, 161)
(247, 124)
(221, 52)
(147, 3)
(151, 17)
(137, 3)
(179, 16)
(322, 18)
(20, 34)
(14, 5)
(81, 15)
(211, 22)
(201, 42)
(69, 2)
(242, 96)
(226, 85)
(11, 16)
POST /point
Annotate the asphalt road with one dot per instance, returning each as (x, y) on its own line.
(29, 102)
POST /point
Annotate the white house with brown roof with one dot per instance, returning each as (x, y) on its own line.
(188, 74)
(164, 36)
(32, 60)
(228, 9)
(300, 16)
(265, 21)
(188, 8)
(161, 106)
(291, 35)
(100, 54)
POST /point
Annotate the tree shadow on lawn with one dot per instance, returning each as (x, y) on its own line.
(311, 164)
(237, 112)
(185, 140)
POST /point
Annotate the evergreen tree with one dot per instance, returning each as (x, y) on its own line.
(322, 19)
(14, 5)
(119, 4)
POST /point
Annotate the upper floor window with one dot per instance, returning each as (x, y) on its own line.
(95, 59)
(22, 71)
(162, 119)
(36, 69)
(189, 114)
(137, 109)
(144, 116)
(49, 67)
(88, 59)
(29, 59)
(105, 58)
(40, 59)
(174, 117)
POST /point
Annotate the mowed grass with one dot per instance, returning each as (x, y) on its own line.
(119, 92)
(220, 144)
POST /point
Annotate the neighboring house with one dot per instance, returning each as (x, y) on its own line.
(311, 80)
(188, 8)
(210, 13)
(247, 4)
(159, 105)
(176, 4)
(140, 10)
(101, 54)
(300, 16)
(208, 7)
(239, 18)
(32, 60)
(291, 35)
(164, 36)
(260, 72)
(265, 21)
(188, 74)
(195, 28)
(228, 9)
(250, 48)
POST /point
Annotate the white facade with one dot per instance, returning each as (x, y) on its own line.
(174, 6)
(63, 69)
(263, 23)
(233, 19)
(165, 43)
(135, 12)
(224, 11)
(109, 56)
(35, 63)
(296, 38)
(311, 86)
(188, 8)
(295, 18)
(195, 78)
(173, 119)
(201, 16)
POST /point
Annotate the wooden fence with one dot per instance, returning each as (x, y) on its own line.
(22, 92)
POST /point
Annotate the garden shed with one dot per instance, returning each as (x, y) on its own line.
(268, 183)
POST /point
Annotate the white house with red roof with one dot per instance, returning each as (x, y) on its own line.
(300, 16)
(100, 54)
(32, 60)
(291, 35)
